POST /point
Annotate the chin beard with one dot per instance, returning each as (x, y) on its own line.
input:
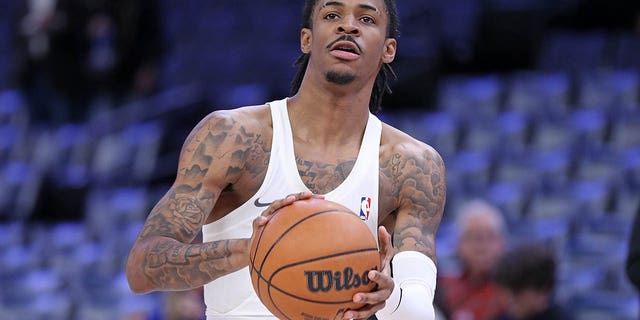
(339, 78)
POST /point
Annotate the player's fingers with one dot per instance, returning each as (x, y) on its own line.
(386, 248)
(383, 291)
(302, 195)
(274, 206)
(364, 312)
(317, 196)
(259, 221)
(385, 282)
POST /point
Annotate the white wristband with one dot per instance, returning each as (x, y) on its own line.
(414, 275)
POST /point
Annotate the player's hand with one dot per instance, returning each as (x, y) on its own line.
(262, 219)
(376, 300)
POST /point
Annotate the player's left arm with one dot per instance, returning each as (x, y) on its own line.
(416, 187)
(419, 177)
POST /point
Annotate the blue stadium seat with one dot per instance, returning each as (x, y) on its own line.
(573, 52)
(551, 136)
(481, 135)
(513, 132)
(590, 197)
(470, 98)
(601, 170)
(518, 172)
(38, 295)
(625, 203)
(438, 129)
(473, 168)
(19, 181)
(74, 144)
(625, 133)
(540, 95)
(112, 210)
(629, 161)
(589, 126)
(128, 154)
(10, 137)
(550, 206)
(612, 91)
(601, 304)
(13, 109)
(510, 197)
(626, 51)
(15, 262)
(552, 168)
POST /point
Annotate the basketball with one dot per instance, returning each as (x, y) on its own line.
(311, 258)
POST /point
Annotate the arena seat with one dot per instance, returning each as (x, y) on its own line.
(539, 95)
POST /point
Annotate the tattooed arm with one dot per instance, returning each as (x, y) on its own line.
(412, 197)
(163, 257)
(419, 176)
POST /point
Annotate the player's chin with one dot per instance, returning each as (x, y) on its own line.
(340, 76)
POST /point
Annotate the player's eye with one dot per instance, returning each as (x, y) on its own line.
(331, 16)
(368, 20)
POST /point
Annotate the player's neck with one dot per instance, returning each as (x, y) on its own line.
(325, 118)
(323, 94)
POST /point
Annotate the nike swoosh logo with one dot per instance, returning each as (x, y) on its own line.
(259, 204)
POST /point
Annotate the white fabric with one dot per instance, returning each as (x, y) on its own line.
(414, 275)
(232, 296)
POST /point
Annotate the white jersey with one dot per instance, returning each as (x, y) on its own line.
(232, 297)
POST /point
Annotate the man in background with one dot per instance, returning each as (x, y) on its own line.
(472, 294)
(528, 274)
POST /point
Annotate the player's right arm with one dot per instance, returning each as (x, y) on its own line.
(163, 256)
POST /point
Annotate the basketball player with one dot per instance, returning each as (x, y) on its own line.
(237, 167)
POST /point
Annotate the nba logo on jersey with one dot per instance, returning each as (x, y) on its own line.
(365, 208)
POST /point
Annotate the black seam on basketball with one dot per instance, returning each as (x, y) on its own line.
(252, 260)
(270, 285)
(259, 271)
(321, 258)
(312, 260)
(264, 259)
(275, 305)
(291, 227)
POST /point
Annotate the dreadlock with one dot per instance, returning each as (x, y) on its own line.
(382, 84)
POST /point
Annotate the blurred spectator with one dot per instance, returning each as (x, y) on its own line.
(528, 274)
(124, 47)
(633, 257)
(50, 46)
(69, 52)
(472, 294)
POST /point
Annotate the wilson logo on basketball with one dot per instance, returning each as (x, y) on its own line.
(327, 280)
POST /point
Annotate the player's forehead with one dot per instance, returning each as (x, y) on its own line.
(376, 6)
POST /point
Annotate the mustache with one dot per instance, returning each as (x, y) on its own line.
(344, 38)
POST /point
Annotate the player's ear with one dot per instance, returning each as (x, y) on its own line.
(305, 40)
(389, 53)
